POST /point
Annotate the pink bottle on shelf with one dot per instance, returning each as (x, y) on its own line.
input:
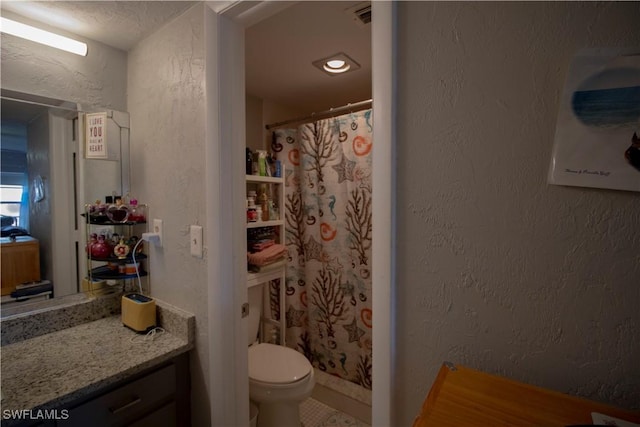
(101, 249)
(136, 212)
(92, 240)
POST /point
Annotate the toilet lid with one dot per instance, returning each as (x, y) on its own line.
(277, 364)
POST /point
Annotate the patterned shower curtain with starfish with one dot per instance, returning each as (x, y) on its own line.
(328, 313)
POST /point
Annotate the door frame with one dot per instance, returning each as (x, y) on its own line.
(63, 260)
(225, 22)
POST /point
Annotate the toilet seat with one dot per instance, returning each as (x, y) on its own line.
(275, 364)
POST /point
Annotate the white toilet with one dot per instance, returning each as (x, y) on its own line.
(279, 377)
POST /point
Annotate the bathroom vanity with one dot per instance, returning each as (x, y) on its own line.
(96, 372)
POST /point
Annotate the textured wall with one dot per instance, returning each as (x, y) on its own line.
(96, 80)
(498, 270)
(167, 107)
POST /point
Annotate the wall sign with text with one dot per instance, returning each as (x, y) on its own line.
(96, 136)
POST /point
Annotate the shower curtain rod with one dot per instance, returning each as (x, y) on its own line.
(330, 112)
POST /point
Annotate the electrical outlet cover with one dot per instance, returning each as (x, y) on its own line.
(157, 228)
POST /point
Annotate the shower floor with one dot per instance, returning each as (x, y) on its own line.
(316, 414)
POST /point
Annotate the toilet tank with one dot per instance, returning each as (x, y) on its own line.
(255, 312)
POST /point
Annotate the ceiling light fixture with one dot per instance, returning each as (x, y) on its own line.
(336, 64)
(43, 37)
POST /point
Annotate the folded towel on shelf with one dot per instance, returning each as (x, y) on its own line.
(267, 268)
(260, 245)
(267, 256)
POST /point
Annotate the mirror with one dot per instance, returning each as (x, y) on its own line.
(46, 181)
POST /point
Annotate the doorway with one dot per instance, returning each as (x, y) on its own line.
(296, 108)
(226, 139)
(38, 164)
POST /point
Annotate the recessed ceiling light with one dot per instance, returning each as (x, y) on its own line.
(336, 64)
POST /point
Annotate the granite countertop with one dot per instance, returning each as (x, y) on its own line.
(56, 368)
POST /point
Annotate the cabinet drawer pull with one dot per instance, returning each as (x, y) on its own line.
(126, 406)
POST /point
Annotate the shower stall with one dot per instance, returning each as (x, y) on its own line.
(327, 166)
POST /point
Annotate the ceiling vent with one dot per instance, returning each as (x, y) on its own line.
(361, 13)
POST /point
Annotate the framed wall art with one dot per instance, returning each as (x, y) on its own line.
(96, 136)
(597, 139)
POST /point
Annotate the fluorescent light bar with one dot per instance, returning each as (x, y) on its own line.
(44, 37)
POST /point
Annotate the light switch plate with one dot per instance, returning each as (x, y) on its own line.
(196, 241)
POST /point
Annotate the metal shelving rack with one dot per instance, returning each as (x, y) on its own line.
(105, 277)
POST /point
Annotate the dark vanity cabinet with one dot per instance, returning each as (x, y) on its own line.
(154, 399)
(157, 397)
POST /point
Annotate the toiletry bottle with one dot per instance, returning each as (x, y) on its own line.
(262, 163)
(136, 212)
(263, 200)
(249, 162)
(266, 215)
(121, 250)
(273, 211)
(99, 211)
(101, 249)
(252, 215)
(107, 201)
(92, 241)
(118, 212)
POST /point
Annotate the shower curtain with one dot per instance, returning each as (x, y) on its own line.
(327, 166)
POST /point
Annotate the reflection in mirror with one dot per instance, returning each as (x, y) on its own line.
(45, 182)
(108, 176)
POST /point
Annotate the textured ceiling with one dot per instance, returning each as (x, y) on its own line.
(279, 50)
(120, 24)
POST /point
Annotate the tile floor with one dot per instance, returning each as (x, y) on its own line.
(316, 414)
